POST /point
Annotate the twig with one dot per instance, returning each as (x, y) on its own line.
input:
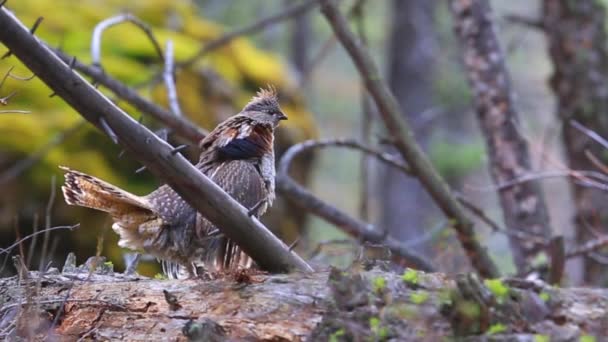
(47, 223)
(478, 212)
(170, 80)
(405, 143)
(589, 246)
(195, 188)
(590, 133)
(178, 124)
(536, 24)
(366, 122)
(288, 12)
(596, 162)
(21, 166)
(119, 19)
(352, 226)
(25, 238)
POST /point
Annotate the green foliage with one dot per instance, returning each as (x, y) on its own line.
(545, 296)
(380, 332)
(496, 329)
(419, 297)
(410, 277)
(587, 338)
(454, 161)
(541, 338)
(379, 284)
(334, 337)
(498, 288)
(160, 276)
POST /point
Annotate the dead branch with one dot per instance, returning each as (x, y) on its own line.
(289, 12)
(116, 20)
(355, 228)
(170, 80)
(179, 125)
(405, 143)
(195, 188)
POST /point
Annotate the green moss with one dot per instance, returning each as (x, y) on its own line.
(379, 284)
(541, 338)
(419, 297)
(410, 276)
(496, 329)
(334, 337)
(381, 333)
(109, 264)
(498, 288)
(587, 338)
(545, 296)
(160, 276)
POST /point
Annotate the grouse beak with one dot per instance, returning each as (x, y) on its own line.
(282, 116)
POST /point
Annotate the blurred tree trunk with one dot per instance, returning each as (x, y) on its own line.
(403, 203)
(299, 41)
(577, 45)
(523, 204)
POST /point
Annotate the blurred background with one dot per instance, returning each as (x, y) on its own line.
(413, 43)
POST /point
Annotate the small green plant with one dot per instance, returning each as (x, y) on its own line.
(160, 276)
(498, 288)
(379, 284)
(496, 329)
(336, 335)
(545, 296)
(541, 338)
(419, 297)
(108, 263)
(381, 333)
(587, 338)
(410, 276)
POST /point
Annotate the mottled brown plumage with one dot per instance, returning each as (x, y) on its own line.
(238, 155)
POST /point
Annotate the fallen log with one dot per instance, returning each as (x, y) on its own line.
(359, 304)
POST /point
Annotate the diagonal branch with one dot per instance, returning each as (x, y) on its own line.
(180, 125)
(405, 143)
(356, 228)
(194, 187)
(289, 12)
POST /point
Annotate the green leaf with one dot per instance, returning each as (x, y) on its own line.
(419, 297)
(496, 329)
(410, 276)
(498, 288)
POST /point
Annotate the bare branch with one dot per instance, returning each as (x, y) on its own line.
(590, 133)
(170, 80)
(178, 124)
(289, 12)
(533, 23)
(358, 229)
(119, 19)
(44, 231)
(194, 187)
(405, 143)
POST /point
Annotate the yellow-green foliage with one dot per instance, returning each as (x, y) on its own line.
(217, 86)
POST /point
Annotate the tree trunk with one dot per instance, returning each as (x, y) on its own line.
(329, 305)
(577, 45)
(523, 204)
(404, 205)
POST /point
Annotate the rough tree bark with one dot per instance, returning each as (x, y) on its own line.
(404, 205)
(329, 305)
(576, 36)
(523, 204)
